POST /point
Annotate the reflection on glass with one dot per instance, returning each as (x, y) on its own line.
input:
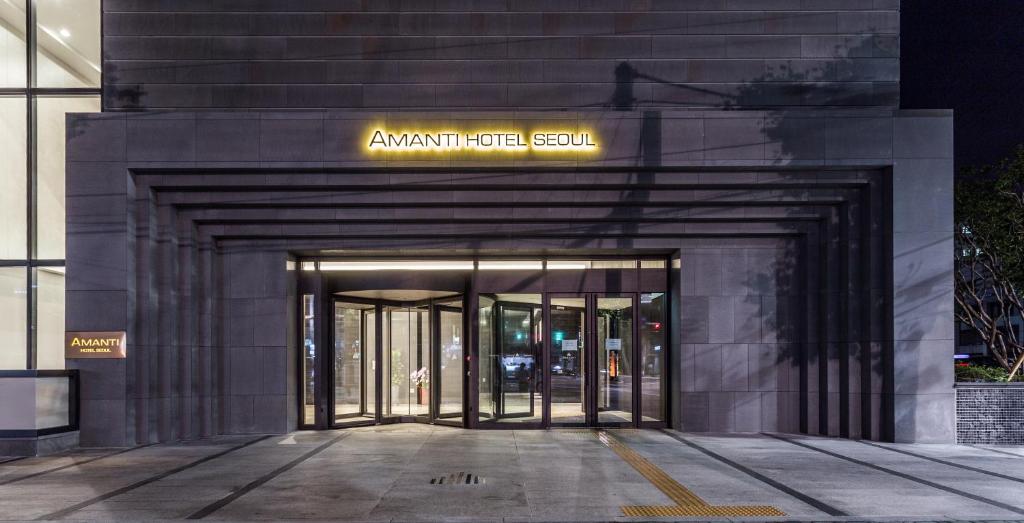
(308, 360)
(370, 362)
(568, 360)
(50, 182)
(68, 43)
(652, 347)
(408, 361)
(450, 361)
(349, 351)
(614, 360)
(50, 317)
(485, 332)
(12, 43)
(12, 318)
(516, 384)
(13, 176)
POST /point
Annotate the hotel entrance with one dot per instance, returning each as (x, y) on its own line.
(435, 342)
(415, 373)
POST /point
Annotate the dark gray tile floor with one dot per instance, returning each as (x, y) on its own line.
(392, 473)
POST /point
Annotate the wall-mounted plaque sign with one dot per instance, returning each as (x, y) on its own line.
(81, 345)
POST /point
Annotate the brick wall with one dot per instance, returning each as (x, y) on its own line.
(989, 414)
(481, 54)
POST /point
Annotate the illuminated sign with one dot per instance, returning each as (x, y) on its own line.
(502, 140)
(83, 345)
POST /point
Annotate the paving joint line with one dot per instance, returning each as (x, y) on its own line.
(252, 485)
(141, 483)
(75, 464)
(1003, 452)
(903, 475)
(944, 462)
(814, 502)
(397, 478)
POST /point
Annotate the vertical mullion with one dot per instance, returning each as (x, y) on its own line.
(30, 186)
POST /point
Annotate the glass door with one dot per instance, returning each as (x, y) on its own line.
(407, 361)
(567, 367)
(352, 372)
(614, 359)
(449, 366)
(511, 377)
(590, 361)
(517, 360)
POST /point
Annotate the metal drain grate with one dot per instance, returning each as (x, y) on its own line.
(462, 478)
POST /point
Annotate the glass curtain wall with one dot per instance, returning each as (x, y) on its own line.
(511, 379)
(49, 66)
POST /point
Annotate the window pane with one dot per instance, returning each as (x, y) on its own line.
(50, 210)
(12, 43)
(652, 353)
(614, 360)
(12, 177)
(68, 43)
(308, 360)
(510, 346)
(13, 315)
(50, 318)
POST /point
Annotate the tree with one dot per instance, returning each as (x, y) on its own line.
(989, 255)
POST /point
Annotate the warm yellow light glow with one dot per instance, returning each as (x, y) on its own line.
(513, 265)
(455, 265)
(425, 140)
(568, 265)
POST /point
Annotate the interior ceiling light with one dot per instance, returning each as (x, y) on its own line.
(64, 32)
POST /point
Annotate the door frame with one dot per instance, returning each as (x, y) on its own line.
(327, 364)
(499, 328)
(591, 414)
(436, 416)
(549, 345)
(324, 361)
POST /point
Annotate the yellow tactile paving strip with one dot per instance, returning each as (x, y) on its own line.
(686, 503)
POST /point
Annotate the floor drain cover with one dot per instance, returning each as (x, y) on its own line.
(461, 478)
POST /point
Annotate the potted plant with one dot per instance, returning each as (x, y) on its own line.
(421, 379)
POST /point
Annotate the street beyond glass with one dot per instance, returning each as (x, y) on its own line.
(429, 473)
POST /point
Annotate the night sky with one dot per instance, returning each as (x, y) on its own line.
(967, 55)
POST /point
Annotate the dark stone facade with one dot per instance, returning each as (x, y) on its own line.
(500, 54)
(989, 414)
(806, 300)
(814, 292)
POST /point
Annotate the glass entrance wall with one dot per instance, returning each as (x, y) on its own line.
(308, 402)
(511, 380)
(450, 360)
(370, 362)
(407, 361)
(405, 355)
(614, 359)
(486, 369)
(653, 349)
(350, 351)
(568, 366)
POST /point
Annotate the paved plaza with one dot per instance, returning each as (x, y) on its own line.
(430, 473)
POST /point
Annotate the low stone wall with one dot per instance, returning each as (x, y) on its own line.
(990, 413)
